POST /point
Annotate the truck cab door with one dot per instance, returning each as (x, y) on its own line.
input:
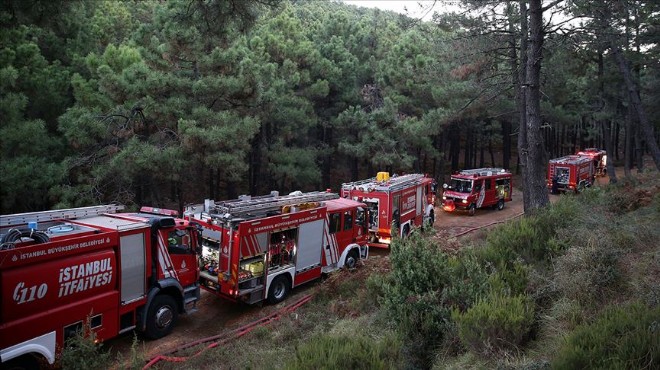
(183, 259)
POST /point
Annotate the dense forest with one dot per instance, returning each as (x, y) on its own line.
(169, 102)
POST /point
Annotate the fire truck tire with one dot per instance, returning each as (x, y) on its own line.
(500, 204)
(279, 289)
(162, 316)
(25, 362)
(352, 259)
(472, 209)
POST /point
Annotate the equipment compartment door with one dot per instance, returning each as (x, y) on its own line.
(133, 263)
(310, 241)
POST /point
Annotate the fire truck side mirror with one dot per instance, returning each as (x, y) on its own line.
(198, 236)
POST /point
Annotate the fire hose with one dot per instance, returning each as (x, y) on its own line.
(224, 338)
(490, 224)
(14, 235)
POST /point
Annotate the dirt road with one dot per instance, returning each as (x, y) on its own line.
(459, 222)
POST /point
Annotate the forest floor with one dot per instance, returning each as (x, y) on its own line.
(215, 316)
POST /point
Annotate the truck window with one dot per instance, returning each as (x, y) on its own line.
(488, 184)
(360, 217)
(348, 220)
(178, 242)
(335, 222)
(477, 186)
(461, 186)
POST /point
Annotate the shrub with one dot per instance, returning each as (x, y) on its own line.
(621, 338)
(587, 273)
(512, 281)
(135, 359)
(412, 295)
(347, 352)
(532, 237)
(495, 324)
(469, 280)
(507, 270)
(82, 353)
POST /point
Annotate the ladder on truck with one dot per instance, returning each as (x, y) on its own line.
(261, 206)
(484, 171)
(58, 214)
(394, 182)
(400, 182)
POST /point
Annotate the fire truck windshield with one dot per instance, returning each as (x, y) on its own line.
(461, 186)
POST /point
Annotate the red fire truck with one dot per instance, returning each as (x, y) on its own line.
(570, 173)
(402, 202)
(65, 270)
(258, 248)
(599, 159)
(478, 188)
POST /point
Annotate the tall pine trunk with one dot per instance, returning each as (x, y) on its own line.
(633, 93)
(535, 157)
(521, 102)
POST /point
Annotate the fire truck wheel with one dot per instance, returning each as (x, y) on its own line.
(279, 289)
(500, 204)
(162, 316)
(25, 362)
(352, 259)
(472, 209)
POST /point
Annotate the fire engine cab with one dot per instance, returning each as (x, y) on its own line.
(570, 173)
(91, 268)
(477, 188)
(258, 248)
(398, 202)
(599, 159)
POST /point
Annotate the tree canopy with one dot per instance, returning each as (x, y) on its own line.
(167, 103)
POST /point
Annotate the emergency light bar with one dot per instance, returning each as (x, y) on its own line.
(159, 211)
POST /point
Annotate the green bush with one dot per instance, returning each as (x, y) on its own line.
(529, 237)
(532, 237)
(495, 324)
(347, 352)
(412, 295)
(507, 271)
(512, 281)
(469, 280)
(587, 273)
(135, 358)
(621, 338)
(82, 353)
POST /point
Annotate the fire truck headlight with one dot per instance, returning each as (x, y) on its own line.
(444, 197)
(464, 201)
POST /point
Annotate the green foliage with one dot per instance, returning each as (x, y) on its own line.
(620, 338)
(413, 299)
(587, 274)
(470, 279)
(82, 353)
(348, 352)
(136, 357)
(532, 238)
(497, 323)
